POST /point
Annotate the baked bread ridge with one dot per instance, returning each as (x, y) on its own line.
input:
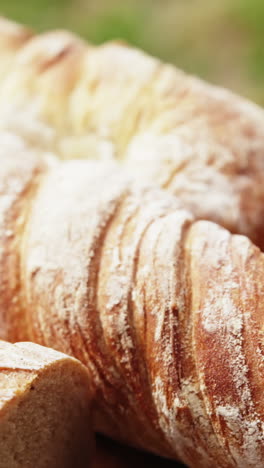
(41, 424)
(200, 142)
(21, 171)
(164, 311)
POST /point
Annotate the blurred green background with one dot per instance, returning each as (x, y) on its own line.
(220, 40)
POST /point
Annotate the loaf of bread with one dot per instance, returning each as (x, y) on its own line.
(166, 312)
(45, 406)
(200, 142)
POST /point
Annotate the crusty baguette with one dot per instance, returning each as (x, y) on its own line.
(202, 143)
(166, 312)
(45, 401)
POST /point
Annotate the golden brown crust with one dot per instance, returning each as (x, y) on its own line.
(21, 171)
(76, 261)
(164, 311)
(227, 294)
(202, 143)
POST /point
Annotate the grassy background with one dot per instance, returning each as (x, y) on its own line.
(220, 40)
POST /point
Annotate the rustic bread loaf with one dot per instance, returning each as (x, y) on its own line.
(45, 406)
(165, 311)
(200, 142)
